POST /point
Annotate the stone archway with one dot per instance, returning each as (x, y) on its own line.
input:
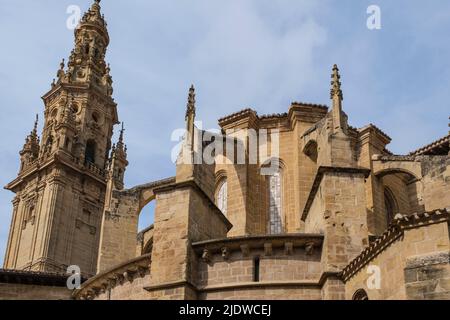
(397, 189)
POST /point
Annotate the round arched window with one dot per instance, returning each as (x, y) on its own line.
(360, 294)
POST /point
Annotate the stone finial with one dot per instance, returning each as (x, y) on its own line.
(122, 130)
(119, 150)
(30, 150)
(60, 74)
(34, 132)
(190, 122)
(96, 6)
(190, 108)
(339, 121)
(336, 84)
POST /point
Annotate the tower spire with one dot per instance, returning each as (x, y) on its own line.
(190, 118)
(190, 108)
(122, 130)
(87, 60)
(336, 84)
(336, 96)
(34, 132)
(119, 150)
(30, 150)
(118, 162)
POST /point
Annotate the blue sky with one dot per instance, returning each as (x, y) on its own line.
(262, 54)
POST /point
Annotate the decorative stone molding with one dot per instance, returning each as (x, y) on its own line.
(440, 144)
(309, 248)
(245, 250)
(427, 260)
(113, 277)
(374, 128)
(288, 248)
(56, 279)
(268, 249)
(120, 278)
(142, 271)
(129, 275)
(394, 232)
(284, 244)
(225, 253)
(379, 157)
(205, 256)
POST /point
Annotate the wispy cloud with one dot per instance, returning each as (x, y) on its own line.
(247, 53)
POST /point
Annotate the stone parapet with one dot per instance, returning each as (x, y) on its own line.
(114, 277)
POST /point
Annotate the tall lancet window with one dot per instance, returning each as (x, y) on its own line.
(222, 196)
(390, 205)
(275, 225)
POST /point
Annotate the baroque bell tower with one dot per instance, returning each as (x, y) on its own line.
(61, 185)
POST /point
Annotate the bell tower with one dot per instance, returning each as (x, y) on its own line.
(60, 188)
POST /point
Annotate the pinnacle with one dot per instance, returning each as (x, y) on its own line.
(36, 124)
(121, 133)
(335, 83)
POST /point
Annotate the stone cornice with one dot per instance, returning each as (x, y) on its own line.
(169, 285)
(56, 158)
(248, 243)
(245, 115)
(317, 283)
(307, 112)
(318, 179)
(34, 278)
(378, 157)
(126, 271)
(394, 232)
(371, 128)
(443, 142)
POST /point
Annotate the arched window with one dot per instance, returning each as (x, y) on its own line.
(89, 155)
(311, 150)
(390, 205)
(360, 294)
(275, 225)
(222, 196)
